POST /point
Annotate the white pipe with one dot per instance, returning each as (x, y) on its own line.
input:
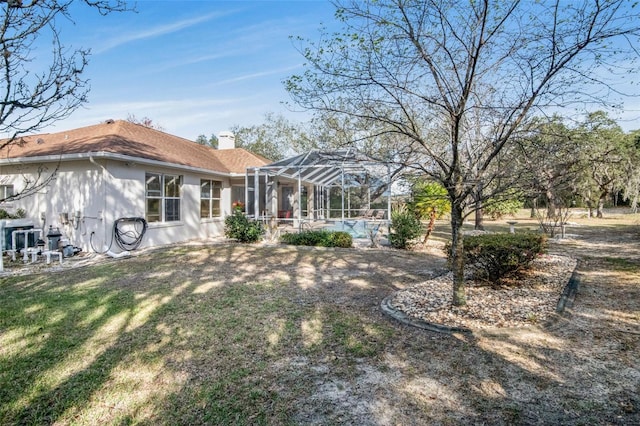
(26, 233)
(118, 255)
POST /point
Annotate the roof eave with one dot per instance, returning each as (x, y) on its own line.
(109, 156)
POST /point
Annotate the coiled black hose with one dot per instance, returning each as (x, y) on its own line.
(131, 238)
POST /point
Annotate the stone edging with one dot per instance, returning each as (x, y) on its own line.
(416, 322)
(567, 298)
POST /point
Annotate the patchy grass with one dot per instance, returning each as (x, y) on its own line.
(622, 264)
(236, 334)
(129, 342)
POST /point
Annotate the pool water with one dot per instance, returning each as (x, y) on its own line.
(356, 228)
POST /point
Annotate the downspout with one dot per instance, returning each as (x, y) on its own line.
(104, 198)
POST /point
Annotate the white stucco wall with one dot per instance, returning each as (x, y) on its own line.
(75, 187)
(105, 190)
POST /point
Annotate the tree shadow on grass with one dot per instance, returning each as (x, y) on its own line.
(234, 334)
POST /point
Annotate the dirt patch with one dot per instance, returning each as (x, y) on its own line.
(582, 369)
(324, 352)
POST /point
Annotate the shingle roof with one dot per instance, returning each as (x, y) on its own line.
(238, 160)
(134, 140)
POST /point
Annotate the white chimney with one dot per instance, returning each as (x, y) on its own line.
(226, 140)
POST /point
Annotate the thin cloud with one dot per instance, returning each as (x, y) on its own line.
(257, 75)
(158, 31)
(196, 60)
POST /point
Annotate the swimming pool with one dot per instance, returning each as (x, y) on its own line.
(356, 228)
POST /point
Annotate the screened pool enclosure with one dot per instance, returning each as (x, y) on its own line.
(330, 186)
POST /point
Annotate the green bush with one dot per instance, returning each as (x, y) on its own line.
(319, 238)
(405, 226)
(497, 256)
(428, 197)
(19, 214)
(341, 239)
(497, 209)
(239, 227)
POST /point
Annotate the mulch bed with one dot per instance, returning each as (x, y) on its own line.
(528, 300)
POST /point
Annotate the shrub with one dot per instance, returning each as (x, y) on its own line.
(239, 227)
(19, 214)
(319, 238)
(429, 198)
(508, 206)
(496, 256)
(341, 239)
(405, 226)
(305, 238)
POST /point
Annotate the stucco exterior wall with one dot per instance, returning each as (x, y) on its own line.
(74, 190)
(95, 193)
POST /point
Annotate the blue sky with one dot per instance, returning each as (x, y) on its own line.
(200, 67)
(193, 67)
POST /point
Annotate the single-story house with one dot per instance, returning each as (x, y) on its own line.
(117, 171)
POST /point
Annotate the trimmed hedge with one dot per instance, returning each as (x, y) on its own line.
(318, 238)
(497, 256)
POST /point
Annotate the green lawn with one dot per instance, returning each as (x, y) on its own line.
(163, 339)
(254, 334)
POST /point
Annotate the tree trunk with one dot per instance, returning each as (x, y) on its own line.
(457, 256)
(534, 208)
(551, 204)
(589, 205)
(431, 226)
(589, 209)
(600, 211)
(479, 225)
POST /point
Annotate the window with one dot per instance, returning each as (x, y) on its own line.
(237, 193)
(210, 198)
(163, 197)
(238, 196)
(6, 191)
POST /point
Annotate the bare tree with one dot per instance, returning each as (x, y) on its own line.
(275, 139)
(145, 121)
(32, 97)
(427, 72)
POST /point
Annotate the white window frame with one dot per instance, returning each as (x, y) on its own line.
(6, 191)
(212, 197)
(165, 198)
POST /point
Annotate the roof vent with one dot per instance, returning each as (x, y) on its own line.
(109, 121)
(226, 140)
